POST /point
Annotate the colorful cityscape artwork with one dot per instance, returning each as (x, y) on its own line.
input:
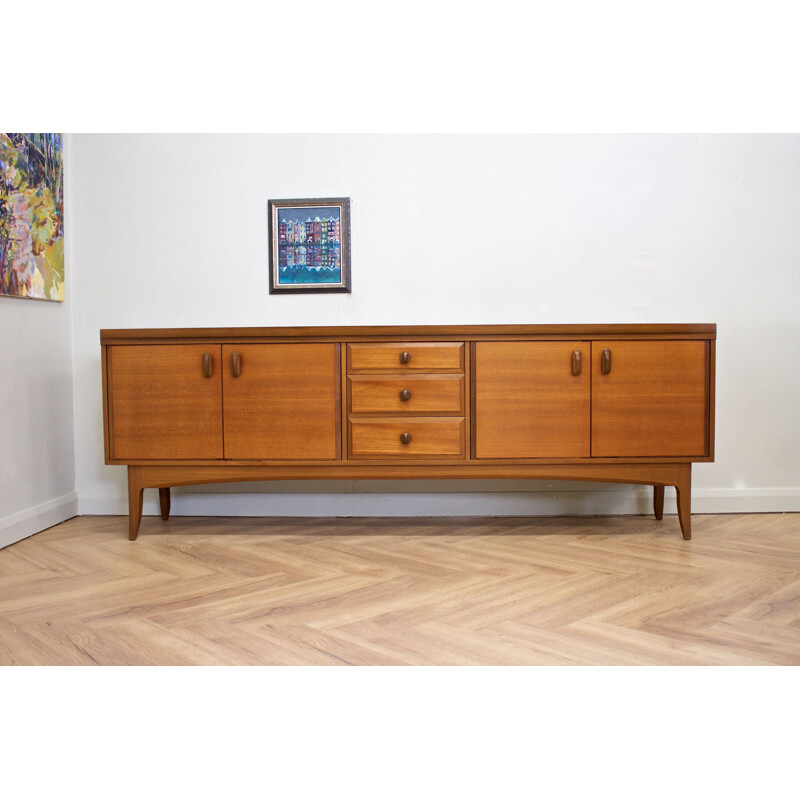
(310, 245)
(31, 216)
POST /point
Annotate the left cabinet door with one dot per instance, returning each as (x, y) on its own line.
(282, 401)
(165, 401)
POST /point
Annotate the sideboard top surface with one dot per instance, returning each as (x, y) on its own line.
(354, 332)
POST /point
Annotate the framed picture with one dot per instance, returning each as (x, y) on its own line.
(309, 245)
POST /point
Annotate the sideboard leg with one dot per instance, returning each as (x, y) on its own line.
(658, 502)
(163, 499)
(684, 491)
(135, 499)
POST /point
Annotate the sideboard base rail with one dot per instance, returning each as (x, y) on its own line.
(162, 477)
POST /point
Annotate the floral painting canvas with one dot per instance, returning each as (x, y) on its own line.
(31, 216)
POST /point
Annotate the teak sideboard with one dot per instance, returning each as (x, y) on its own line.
(617, 403)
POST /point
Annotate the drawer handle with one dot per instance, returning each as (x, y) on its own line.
(405, 438)
(208, 365)
(405, 395)
(605, 362)
(405, 357)
(236, 364)
(577, 366)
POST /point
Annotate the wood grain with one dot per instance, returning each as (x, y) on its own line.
(503, 591)
(413, 332)
(430, 437)
(428, 394)
(161, 405)
(653, 402)
(427, 356)
(664, 474)
(528, 404)
(283, 405)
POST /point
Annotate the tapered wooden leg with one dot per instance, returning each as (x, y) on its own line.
(684, 490)
(163, 499)
(135, 498)
(658, 502)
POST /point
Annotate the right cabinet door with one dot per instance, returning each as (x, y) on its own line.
(649, 398)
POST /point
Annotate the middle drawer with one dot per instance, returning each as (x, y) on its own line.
(406, 394)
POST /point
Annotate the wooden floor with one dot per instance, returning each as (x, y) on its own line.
(484, 591)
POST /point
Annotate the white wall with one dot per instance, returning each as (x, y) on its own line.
(171, 230)
(37, 452)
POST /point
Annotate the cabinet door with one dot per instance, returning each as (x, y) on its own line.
(652, 401)
(165, 401)
(284, 402)
(528, 402)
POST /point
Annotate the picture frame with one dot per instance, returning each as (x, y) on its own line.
(309, 245)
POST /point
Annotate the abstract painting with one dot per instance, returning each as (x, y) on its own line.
(309, 245)
(31, 216)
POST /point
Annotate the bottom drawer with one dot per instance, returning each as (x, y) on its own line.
(420, 437)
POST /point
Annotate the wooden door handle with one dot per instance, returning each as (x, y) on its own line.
(405, 357)
(208, 365)
(405, 438)
(405, 395)
(605, 362)
(236, 364)
(577, 365)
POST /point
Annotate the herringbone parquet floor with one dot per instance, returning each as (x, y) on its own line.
(494, 591)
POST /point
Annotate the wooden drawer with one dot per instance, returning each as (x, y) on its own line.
(406, 357)
(409, 394)
(431, 437)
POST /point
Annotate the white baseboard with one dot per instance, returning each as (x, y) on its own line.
(193, 501)
(746, 501)
(574, 502)
(32, 520)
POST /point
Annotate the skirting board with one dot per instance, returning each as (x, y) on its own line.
(33, 520)
(589, 502)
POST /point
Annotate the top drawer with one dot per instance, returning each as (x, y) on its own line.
(406, 357)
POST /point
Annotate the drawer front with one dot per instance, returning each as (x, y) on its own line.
(441, 437)
(411, 394)
(406, 357)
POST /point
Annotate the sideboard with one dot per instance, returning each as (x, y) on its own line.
(612, 403)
